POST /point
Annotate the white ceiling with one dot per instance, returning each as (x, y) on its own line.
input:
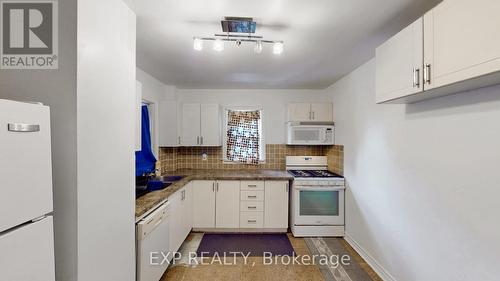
(324, 40)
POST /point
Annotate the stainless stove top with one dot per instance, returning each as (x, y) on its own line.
(314, 174)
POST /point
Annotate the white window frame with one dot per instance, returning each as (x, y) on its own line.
(262, 142)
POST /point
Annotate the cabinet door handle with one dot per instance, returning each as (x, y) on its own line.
(310, 115)
(416, 77)
(213, 186)
(201, 139)
(217, 187)
(179, 140)
(252, 221)
(252, 196)
(313, 115)
(252, 207)
(427, 74)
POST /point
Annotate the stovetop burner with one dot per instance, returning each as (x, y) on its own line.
(314, 174)
(301, 173)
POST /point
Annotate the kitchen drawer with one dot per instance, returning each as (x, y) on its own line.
(252, 185)
(252, 206)
(251, 195)
(251, 219)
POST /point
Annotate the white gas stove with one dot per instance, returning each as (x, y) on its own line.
(317, 203)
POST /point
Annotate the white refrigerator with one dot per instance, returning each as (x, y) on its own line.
(26, 225)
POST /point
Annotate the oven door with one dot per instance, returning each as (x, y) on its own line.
(310, 135)
(319, 205)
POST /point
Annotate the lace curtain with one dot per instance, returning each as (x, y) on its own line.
(243, 136)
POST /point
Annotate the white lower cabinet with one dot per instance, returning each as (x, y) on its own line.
(203, 204)
(227, 204)
(181, 216)
(251, 219)
(276, 204)
(234, 204)
(251, 195)
(174, 233)
(187, 206)
(252, 206)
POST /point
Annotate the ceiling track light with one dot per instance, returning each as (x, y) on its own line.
(239, 30)
(198, 44)
(218, 44)
(258, 47)
(278, 48)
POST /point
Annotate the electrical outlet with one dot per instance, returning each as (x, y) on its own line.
(204, 156)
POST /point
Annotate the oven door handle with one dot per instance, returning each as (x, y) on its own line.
(329, 188)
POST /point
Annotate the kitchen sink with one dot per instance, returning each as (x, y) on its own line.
(168, 178)
(145, 185)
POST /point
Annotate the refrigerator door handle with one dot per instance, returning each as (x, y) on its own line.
(19, 127)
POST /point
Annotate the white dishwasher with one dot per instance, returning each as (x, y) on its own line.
(152, 241)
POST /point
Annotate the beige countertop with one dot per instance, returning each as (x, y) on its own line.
(149, 201)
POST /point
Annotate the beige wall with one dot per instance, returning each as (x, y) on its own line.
(176, 158)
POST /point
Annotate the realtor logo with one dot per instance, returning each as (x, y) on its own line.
(29, 38)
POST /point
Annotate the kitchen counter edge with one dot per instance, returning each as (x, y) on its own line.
(147, 203)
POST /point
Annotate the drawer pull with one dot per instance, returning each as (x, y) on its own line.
(252, 207)
(252, 221)
(252, 185)
(252, 196)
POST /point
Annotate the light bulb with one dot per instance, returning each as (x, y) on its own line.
(218, 45)
(278, 48)
(197, 44)
(258, 47)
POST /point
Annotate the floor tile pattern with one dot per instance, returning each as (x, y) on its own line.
(251, 269)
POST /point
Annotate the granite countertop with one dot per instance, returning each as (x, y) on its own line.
(152, 199)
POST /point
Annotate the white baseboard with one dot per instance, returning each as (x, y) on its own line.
(377, 267)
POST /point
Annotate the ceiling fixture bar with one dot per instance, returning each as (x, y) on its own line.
(232, 25)
(237, 36)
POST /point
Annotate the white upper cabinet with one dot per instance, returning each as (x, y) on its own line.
(399, 64)
(298, 112)
(210, 133)
(461, 51)
(191, 124)
(200, 125)
(462, 41)
(307, 112)
(168, 131)
(322, 112)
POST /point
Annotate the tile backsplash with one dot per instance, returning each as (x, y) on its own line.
(174, 158)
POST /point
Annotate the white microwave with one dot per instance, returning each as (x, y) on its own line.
(303, 133)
